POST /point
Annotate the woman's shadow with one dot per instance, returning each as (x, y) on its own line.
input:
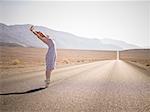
(25, 92)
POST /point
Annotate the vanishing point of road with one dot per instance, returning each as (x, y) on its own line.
(104, 86)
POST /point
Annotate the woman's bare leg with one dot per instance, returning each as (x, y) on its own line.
(47, 81)
(48, 74)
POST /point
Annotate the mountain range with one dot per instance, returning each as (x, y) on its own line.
(22, 36)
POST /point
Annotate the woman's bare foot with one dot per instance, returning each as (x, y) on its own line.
(47, 82)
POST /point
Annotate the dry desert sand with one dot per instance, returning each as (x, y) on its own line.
(139, 57)
(18, 59)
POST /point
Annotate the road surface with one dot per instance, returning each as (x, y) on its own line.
(105, 86)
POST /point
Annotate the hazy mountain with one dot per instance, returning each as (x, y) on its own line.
(21, 35)
(120, 43)
(10, 44)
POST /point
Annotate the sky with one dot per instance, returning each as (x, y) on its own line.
(121, 20)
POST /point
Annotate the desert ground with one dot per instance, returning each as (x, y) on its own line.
(15, 60)
(139, 57)
(18, 59)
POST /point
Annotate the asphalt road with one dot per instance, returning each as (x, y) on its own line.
(106, 86)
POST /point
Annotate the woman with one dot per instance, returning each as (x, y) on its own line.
(51, 53)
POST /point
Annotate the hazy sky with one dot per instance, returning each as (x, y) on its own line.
(127, 21)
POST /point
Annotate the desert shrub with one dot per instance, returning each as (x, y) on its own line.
(78, 61)
(82, 60)
(133, 60)
(16, 62)
(65, 61)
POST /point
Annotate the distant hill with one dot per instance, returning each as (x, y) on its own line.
(21, 35)
(10, 44)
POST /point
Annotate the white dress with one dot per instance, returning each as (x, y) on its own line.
(51, 55)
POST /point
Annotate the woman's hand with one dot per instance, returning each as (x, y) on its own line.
(40, 34)
(32, 28)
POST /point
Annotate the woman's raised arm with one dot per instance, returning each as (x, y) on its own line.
(40, 35)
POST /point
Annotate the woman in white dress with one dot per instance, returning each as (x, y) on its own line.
(50, 55)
